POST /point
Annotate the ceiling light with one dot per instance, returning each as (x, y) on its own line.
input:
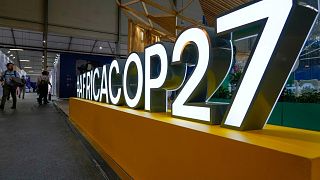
(27, 67)
(16, 49)
(11, 54)
(8, 52)
(14, 57)
(100, 47)
(24, 60)
(44, 41)
(30, 71)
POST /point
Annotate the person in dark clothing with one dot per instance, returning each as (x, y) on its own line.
(9, 86)
(22, 87)
(43, 85)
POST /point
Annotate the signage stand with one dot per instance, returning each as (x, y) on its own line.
(157, 146)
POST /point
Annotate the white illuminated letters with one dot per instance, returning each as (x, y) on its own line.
(114, 67)
(83, 85)
(133, 98)
(276, 13)
(160, 51)
(104, 84)
(91, 85)
(198, 37)
(78, 87)
(96, 74)
(88, 86)
(148, 76)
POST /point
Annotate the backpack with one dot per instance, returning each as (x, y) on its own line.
(14, 72)
(43, 82)
(23, 83)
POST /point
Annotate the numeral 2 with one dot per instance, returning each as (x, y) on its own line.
(206, 78)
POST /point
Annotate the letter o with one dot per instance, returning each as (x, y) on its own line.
(136, 100)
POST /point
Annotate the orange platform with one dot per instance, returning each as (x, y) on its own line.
(154, 146)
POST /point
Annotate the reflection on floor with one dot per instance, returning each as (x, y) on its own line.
(36, 143)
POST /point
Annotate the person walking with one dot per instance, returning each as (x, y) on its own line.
(22, 88)
(7, 80)
(43, 85)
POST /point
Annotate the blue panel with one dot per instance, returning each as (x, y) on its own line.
(302, 74)
(316, 72)
(68, 71)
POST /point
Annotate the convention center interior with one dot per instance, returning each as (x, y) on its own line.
(160, 89)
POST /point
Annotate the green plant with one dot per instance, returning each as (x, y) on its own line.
(287, 96)
(305, 97)
(309, 97)
(235, 77)
(222, 93)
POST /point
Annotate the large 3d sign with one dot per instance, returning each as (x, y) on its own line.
(144, 79)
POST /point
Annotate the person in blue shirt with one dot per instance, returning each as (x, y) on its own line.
(9, 86)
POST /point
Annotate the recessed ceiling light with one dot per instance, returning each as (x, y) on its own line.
(44, 41)
(16, 49)
(24, 60)
(27, 67)
(14, 57)
(8, 52)
(30, 71)
(100, 47)
(11, 54)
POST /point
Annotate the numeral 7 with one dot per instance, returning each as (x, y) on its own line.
(287, 24)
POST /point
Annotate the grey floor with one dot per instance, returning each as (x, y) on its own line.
(36, 143)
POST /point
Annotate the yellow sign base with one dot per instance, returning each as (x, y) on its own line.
(154, 146)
